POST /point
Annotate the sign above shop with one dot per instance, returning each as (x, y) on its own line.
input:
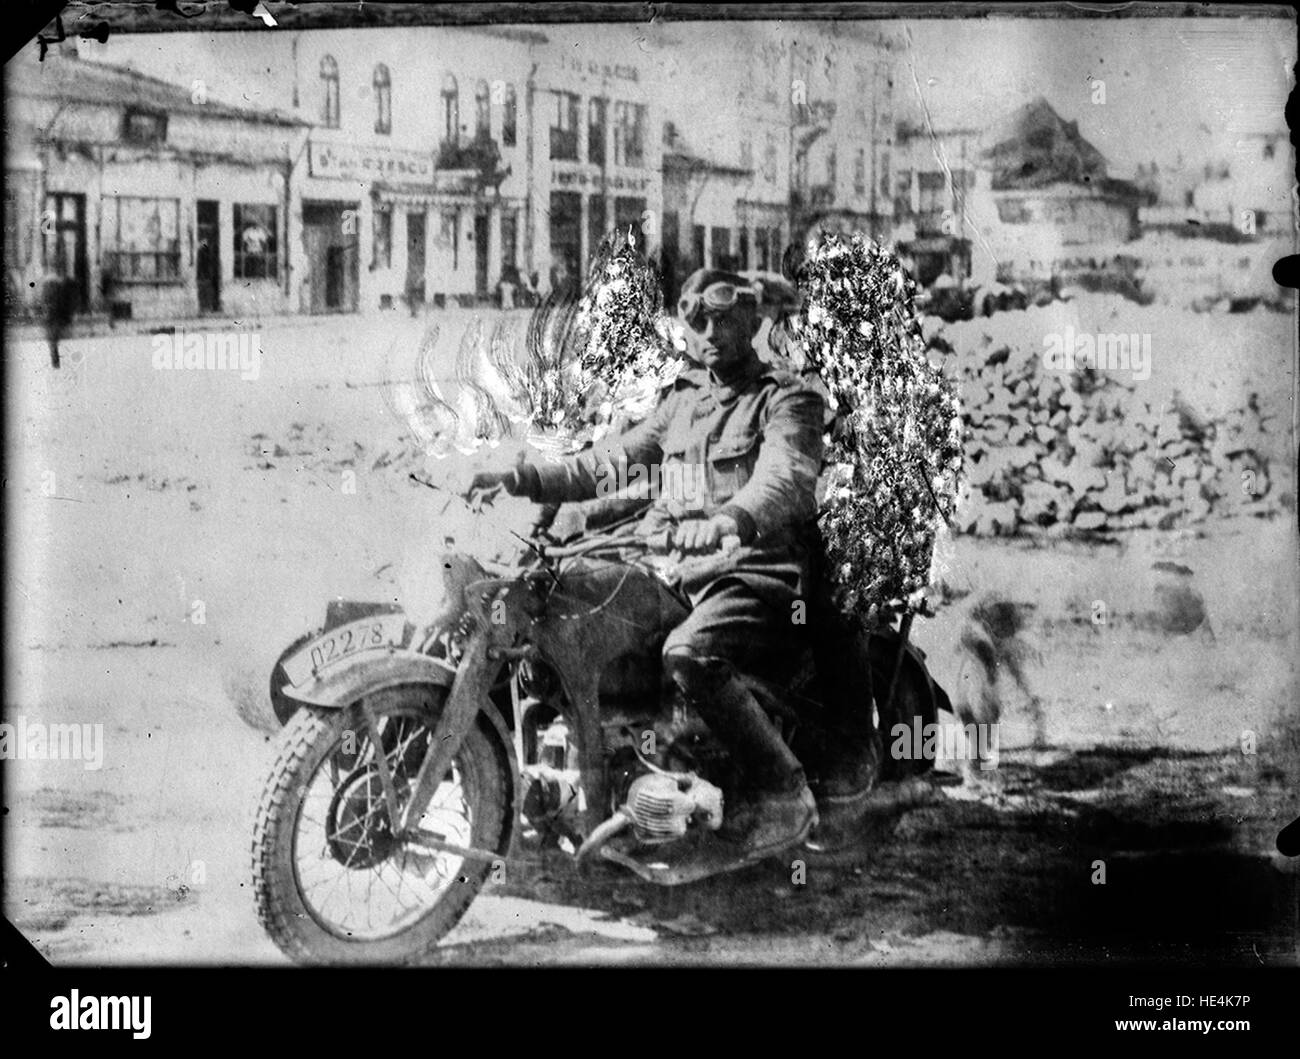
(580, 180)
(604, 70)
(349, 161)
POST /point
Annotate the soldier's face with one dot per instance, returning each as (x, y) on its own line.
(721, 339)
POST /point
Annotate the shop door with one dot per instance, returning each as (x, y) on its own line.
(331, 244)
(416, 245)
(566, 238)
(65, 242)
(207, 265)
(481, 239)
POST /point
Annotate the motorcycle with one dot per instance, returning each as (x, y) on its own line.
(427, 744)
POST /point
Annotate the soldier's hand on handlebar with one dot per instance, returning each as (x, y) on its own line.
(696, 536)
(483, 488)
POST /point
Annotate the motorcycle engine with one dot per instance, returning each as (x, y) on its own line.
(661, 805)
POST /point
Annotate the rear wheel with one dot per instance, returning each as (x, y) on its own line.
(332, 883)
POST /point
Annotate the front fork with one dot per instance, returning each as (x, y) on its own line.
(469, 692)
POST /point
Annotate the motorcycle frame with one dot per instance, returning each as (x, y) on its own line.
(576, 650)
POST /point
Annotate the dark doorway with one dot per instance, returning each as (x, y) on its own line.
(566, 237)
(333, 255)
(595, 226)
(415, 258)
(481, 240)
(207, 264)
(65, 242)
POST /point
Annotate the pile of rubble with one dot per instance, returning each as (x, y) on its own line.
(1051, 453)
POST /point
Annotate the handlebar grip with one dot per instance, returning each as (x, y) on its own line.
(661, 543)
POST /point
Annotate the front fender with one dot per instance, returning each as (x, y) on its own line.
(366, 672)
(466, 704)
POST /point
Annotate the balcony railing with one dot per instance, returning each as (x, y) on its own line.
(480, 154)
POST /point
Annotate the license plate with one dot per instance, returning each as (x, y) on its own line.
(328, 649)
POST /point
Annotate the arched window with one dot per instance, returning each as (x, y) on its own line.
(450, 111)
(383, 100)
(329, 75)
(482, 111)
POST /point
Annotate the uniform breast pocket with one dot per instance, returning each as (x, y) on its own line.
(731, 463)
(680, 484)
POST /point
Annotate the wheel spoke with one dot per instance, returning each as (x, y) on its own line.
(343, 832)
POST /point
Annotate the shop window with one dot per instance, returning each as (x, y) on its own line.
(141, 239)
(629, 213)
(564, 127)
(509, 241)
(482, 112)
(596, 222)
(144, 126)
(255, 242)
(860, 172)
(450, 112)
(720, 246)
(383, 101)
(761, 248)
(510, 119)
(931, 187)
(670, 235)
(451, 235)
(329, 77)
(596, 109)
(382, 255)
(697, 246)
(742, 252)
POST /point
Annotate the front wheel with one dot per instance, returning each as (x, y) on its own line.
(333, 884)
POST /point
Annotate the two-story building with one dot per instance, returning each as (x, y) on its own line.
(935, 201)
(441, 160)
(842, 120)
(413, 183)
(154, 200)
(596, 153)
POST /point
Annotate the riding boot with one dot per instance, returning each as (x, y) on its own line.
(780, 810)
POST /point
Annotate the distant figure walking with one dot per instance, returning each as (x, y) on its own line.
(60, 306)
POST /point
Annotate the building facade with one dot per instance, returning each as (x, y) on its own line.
(596, 152)
(937, 191)
(842, 120)
(440, 163)
(412, 185)
(152, 204)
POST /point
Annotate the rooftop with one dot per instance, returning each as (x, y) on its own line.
(67, 79)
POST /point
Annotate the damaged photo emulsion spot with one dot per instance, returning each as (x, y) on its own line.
(715, 488)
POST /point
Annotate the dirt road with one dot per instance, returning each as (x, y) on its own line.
(172, 532)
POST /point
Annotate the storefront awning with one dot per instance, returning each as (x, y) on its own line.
(436, 196)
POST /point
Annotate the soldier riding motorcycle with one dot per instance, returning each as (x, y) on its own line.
(647, 694)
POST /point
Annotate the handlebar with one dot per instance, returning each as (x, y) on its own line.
(660, 543)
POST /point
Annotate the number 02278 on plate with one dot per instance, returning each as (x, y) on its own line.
(379, 630)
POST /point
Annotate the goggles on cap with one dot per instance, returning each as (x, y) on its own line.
(716, 297)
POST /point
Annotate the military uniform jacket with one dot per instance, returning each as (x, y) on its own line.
(751, 449)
